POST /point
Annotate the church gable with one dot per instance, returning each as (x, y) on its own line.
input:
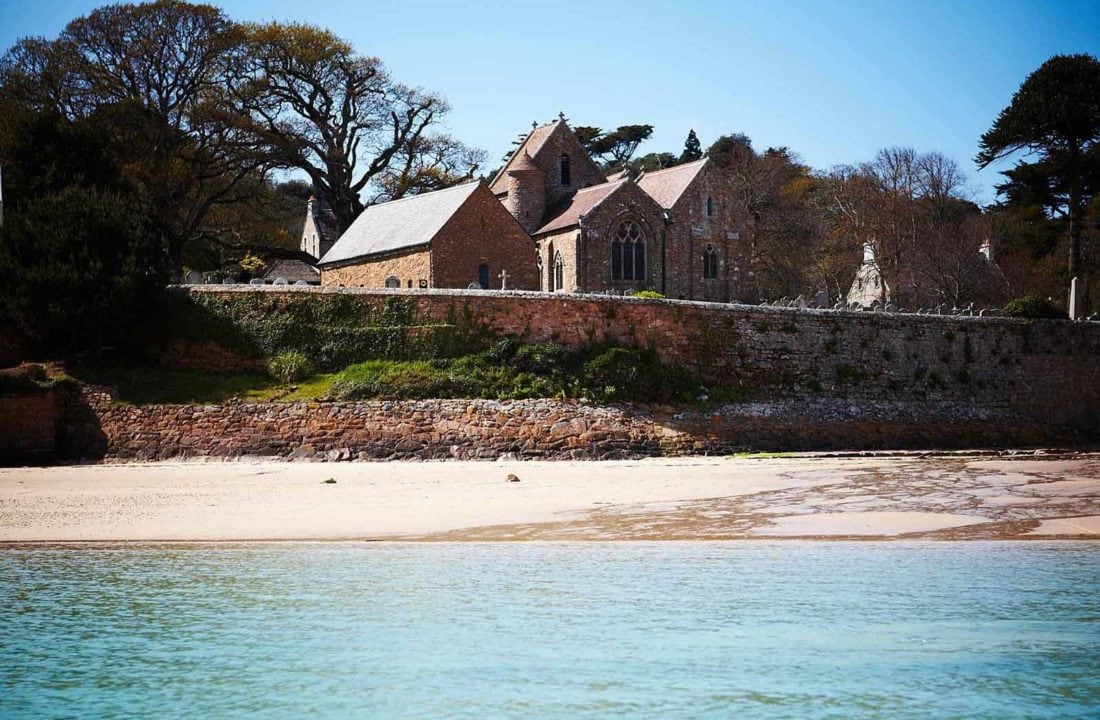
(556, 150)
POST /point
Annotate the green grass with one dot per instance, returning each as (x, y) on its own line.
(510, 370)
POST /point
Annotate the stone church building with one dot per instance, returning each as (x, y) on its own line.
(451, 238)
(675, 231)
(550, 220)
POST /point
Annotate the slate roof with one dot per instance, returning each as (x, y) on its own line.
(666, 186)
(399, 224)
(325, 220)
(293, 270)
(530, 146)
(581, 203)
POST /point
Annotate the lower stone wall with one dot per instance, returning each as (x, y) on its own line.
(29, 427)
(532, 429)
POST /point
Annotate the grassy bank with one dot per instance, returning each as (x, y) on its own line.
(509, 370)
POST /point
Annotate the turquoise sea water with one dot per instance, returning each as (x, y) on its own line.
(624, 630)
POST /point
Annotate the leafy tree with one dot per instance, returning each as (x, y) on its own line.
(731, 150)
(1054, 116)
(651, 162)
(154, 77)
(81, 269)
(337, 115)
(692, 149)
(587, 135)
(617, 147)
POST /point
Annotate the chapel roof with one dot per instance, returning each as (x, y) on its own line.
(324, 219)
(572, 209)
(668, 185)
(399, 224)
(524, 163)
(293, 269)
(530, 147)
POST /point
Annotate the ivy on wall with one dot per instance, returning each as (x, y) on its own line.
(333, 331)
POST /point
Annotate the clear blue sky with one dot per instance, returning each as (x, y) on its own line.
(834, 81)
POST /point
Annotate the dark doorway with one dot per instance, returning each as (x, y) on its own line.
(483, 276)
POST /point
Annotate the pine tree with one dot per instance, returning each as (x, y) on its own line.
(692, 149)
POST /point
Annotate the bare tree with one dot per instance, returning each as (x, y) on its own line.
(339, 117)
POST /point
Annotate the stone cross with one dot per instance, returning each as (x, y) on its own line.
(503, 279)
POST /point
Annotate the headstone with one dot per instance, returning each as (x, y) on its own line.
(473, 286)
(193, 277)
(821, 299)
(280, 281)
(256, 281)
(800, 303)
(891, 307)
(229, 281)
(302, 282)
(1076, 299)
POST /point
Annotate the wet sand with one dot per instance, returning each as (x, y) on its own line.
(947, 497)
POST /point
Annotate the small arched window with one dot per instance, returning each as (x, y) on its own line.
(566, 172)
(710, 206)
(710, 262)
(628, 252)
(393, 282)
(559, 271)
(538, 266)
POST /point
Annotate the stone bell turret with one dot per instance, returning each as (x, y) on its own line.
(526, 192)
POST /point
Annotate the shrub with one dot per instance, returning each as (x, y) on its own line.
(649, 295)
(289, 366)
(1034, 307)
(543, 358)
(629, 374)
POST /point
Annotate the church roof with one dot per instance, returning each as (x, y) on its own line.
(293, 270)
(524, 163)
(570, 212)
(666, 186)
(399, 224)
(324, 219)
(530, 147)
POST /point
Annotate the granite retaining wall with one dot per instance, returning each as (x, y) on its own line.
(531, 429)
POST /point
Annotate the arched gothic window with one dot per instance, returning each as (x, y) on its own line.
(710, 262)
(538, 266)
(559, 272)
(566, 173)
(393, 282)
(710, 206)
(628, 252)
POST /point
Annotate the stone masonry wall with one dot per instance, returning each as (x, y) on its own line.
(1048, 371)
(409, 268)
(482, 231)
(527, 429)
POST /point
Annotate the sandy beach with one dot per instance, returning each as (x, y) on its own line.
(939, 497)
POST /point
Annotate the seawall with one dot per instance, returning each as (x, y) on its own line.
(1047, 371)
(812, 380)
(530, 429)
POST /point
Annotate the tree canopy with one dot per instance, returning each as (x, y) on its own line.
(1054, 118)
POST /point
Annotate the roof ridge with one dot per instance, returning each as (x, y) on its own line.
(420, 195)
(675, 167)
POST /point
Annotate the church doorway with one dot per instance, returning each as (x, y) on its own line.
(483, 276)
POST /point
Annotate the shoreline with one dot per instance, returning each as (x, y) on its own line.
(1023, 495)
